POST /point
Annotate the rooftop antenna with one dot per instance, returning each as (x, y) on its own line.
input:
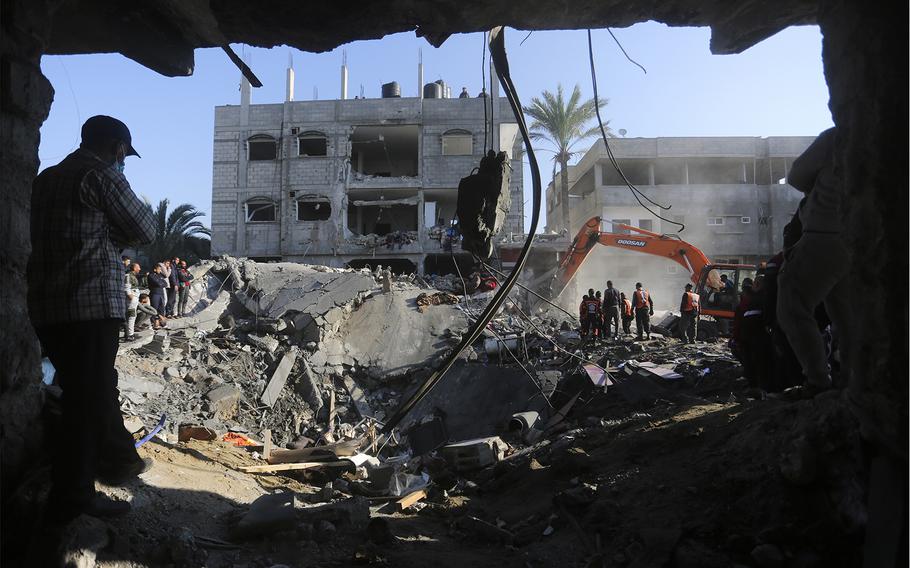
(361, 90)
(622, 132)
(315, 93)
(420, 72)
(344, 74)
(289, 80)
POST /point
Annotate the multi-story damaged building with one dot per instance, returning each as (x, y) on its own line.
(730, 193)
(354, 181)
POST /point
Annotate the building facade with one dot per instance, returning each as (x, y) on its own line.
(728, 192)
(352, 181)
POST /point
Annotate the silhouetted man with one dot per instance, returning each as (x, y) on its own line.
(83, 213)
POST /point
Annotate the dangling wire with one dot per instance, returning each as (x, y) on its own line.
(483, 88)
(635, 191)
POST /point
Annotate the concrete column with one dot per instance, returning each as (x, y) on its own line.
(650, 173)
(686, 163)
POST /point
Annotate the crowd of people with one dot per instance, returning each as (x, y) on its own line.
(602, 314)
(168, 285)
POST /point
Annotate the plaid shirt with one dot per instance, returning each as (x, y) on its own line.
(83, 213)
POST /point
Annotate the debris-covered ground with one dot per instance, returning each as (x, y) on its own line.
(535, 450)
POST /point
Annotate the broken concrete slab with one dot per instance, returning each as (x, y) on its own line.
(358, 398)
(401, 339)
(131, 383)
(224, 401)
(478, 400)
(264, 342)
(279, 378)
(354, 512)
(309, 386)
(267, 514)
(474, 454)
(158, 345)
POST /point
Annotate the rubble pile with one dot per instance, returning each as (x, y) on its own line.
(298, 367)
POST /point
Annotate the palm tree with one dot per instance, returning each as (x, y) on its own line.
(563, 123)
(177, 233)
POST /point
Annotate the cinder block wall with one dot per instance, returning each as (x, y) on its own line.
(25, 101)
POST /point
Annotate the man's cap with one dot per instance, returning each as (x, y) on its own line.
(101, 129)
(638, 284)
(688, 286)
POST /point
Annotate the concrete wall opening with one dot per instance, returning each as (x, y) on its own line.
(636, 171)
(385, 151)
(443, 264)
(670, 171)
(261, 210)
(397, 265)
(720, 171)
(261, 147)
(313, 209)
(381, 216)
(312, 143)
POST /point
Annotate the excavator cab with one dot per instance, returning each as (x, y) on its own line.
(720, 285)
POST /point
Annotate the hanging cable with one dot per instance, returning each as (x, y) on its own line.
(500, 61)
(623, 50)
(483, 89)
(635, 191)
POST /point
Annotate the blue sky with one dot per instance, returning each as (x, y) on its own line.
(776, 88)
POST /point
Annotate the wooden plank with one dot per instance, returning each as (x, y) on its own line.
(410, 499)
(267, 444)
(272, 468)
(346, 448)
(331, 426)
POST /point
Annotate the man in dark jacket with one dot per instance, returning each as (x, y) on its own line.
(185, 279)
(83, 213)
(611, 308)
(173, 286)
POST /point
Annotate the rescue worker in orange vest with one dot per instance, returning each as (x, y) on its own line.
(689, 308)
(627, 315)
(644, 309)
(597, 324)
(590, 309)
(583, 314)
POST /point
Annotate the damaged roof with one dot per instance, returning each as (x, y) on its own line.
(162, 34)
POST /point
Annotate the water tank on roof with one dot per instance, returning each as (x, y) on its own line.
(432, 91)
(391, 90)
(445, 92)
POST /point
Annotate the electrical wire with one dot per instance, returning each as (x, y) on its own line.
(500, 61)
(483, 89)
(635, 191)
(623, 50)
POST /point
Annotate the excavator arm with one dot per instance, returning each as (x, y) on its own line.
(639, 240)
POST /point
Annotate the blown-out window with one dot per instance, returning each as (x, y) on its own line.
(313, 210)
(312, 143)
(261, 147)
(261, 210)
(457, 143)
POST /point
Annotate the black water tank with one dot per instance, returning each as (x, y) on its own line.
(391, 90)
(432, 91)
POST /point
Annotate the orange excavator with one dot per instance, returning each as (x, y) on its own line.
(718, 299)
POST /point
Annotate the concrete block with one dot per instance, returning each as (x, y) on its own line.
(279, 378)
(309, 386)
(224, 401)
(267, 514)
(474, 454)
(264, 342)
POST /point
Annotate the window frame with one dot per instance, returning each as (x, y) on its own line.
(457, 133)
(260, 201)
(312, 135)
(313, 200)
(259, 139)
(711, 224)
(745, 220)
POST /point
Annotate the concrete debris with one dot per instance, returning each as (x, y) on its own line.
(474, 454)
(264, 342)
(267, 514)
(224, 401)
(279, 378)
(424, 300)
